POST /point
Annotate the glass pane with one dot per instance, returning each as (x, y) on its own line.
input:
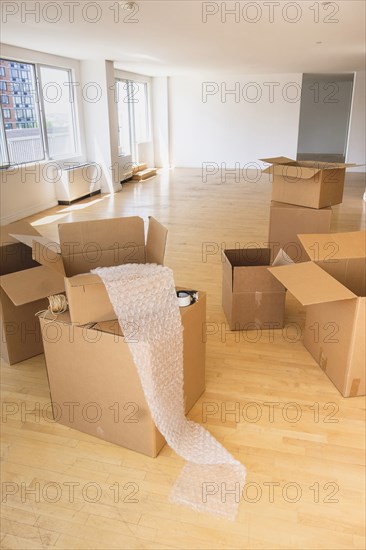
(4, 160)
(124, 122)
(140, 106)
(19, 104)
(59, 110)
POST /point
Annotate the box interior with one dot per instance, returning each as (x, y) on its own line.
(350, 272)
(248, 256)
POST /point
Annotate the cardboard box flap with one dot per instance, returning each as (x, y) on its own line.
(84, 280)
(106, 234)
(318, 165)
(29, 239)
(111, 327)
(278, 160)
(334, 246)
(47, 256)
(155, 242)
(294, 173)
(310, 284)
(326, 165)
(101, 243)
(32, 284)
(18, 227)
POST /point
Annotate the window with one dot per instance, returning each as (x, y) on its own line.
(133, 116)
(124, 122)
(141, 112)
(3, 148)
(58, 112)
(22, 144)
(39, 112)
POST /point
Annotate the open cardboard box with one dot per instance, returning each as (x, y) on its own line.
(286, 221)
(333, 288)
(251, 297)
(94, 383)
(25, 286)
(306, 183)
(98, 243)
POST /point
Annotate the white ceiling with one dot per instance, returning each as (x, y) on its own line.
(169, 36)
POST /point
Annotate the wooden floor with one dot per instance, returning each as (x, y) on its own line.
(306, 479)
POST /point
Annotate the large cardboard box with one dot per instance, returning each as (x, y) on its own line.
(24, 288)
(94, 383)
(333, 288)
(15, 256)
(97, 243)
(251, 297)
(306, 183)
(286, 221)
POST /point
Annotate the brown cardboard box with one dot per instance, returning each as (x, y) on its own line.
(94, 383)
(306, 183)
(23, 292)
(15, 256)
(333, 289)
(97, 243)
(286, 221)
(251, 297)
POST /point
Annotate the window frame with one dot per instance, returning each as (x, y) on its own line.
(129, 82)
(71, 91)
(38, 106)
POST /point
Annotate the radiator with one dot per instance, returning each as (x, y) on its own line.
(77, 182)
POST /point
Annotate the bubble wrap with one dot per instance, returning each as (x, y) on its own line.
(144, 300)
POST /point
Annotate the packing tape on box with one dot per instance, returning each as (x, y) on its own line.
(187, 297)
(144, 294)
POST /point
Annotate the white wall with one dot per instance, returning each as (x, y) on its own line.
(356, 151)
(260, 120)
(26, 190)
(100, 120)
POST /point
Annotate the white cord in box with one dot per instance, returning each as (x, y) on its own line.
(57, 303)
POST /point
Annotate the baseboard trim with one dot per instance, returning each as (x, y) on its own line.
(5, 220)
(67, 203)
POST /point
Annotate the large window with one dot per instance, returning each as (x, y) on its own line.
(133, 116)
(124, 118)
(37, 113)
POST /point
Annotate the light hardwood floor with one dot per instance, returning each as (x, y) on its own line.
(315, 466)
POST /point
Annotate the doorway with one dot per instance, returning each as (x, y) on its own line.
(325, 109)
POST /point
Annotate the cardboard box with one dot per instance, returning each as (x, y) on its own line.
(93, 369)
(286, 221)
(97, 243)
(333, 288)
(251, 297)
(24, 288)
(306, 183)
(15, 256)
